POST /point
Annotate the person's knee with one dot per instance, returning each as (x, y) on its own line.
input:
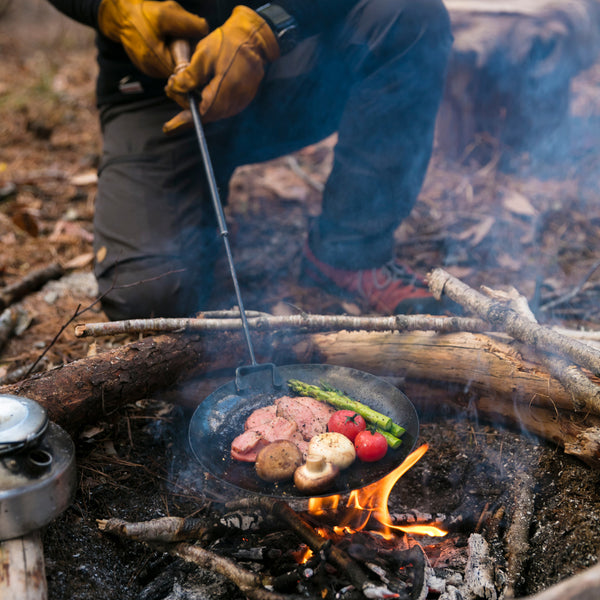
(147, 288)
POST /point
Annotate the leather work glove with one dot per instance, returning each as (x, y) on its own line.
(226, 68)
(145, 28)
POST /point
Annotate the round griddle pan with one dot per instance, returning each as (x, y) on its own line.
(221, 416)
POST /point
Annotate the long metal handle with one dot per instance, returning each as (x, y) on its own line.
(181, 53)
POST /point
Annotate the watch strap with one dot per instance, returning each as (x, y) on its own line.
(283, 24)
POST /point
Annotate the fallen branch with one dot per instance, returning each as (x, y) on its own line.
(32, 282)
(507, 319)
(585, 394)
(304, 322)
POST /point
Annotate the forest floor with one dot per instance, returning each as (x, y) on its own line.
(532, 226)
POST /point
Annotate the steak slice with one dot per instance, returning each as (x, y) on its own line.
(310, 415)
(246, 446)
(261, 416)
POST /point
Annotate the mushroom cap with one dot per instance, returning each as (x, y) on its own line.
(335, 447)
(277, 461)
(315, 475)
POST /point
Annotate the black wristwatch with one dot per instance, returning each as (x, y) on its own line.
(284, 26)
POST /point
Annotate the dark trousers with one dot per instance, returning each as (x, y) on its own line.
(376, 79)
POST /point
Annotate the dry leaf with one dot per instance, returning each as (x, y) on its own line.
(284, 183)
(518, 204)
(69, 229)
(476, 233)
(83, 260)
(27, 221)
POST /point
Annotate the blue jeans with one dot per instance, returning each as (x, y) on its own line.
(376, 78)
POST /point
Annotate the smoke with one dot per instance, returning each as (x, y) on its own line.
(511, 74)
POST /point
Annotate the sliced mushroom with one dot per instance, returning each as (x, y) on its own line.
(315, 475)
(278, 461)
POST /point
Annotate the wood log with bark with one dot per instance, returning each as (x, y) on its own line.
(488, 372)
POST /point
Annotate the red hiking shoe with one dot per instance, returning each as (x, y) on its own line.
(390, 289)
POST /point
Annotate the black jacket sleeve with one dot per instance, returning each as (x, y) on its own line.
(83, 11)
(312, 16)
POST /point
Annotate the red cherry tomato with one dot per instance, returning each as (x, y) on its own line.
(346, 422)
(370, 446)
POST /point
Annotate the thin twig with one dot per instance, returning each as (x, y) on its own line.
(294, 165)
(570, 295)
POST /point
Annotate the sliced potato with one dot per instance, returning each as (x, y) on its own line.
(278, 461)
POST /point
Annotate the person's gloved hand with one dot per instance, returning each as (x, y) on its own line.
(145, 28)
(226, 68)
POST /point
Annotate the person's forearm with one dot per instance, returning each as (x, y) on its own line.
(83, 11)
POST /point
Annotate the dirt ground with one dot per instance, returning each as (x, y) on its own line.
(512, 220)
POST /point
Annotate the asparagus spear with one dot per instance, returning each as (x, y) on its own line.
(392, 440)
(339, 400)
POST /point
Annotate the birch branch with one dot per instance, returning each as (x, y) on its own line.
(508, 320)
(585, 394)
(304, 323)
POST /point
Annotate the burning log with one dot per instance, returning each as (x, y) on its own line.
(316, 542)
(173, 529)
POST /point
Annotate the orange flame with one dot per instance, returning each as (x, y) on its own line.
(372, 501)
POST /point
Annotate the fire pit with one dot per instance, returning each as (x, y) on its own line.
(135, 466)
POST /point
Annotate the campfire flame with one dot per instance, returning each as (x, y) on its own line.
(370, 504)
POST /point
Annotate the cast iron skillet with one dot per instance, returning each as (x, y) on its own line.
(221, 416)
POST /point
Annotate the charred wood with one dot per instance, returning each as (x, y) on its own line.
(317, 543)
(517, 537)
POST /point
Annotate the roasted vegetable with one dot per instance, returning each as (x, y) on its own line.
(315, 475)
(334, 448)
